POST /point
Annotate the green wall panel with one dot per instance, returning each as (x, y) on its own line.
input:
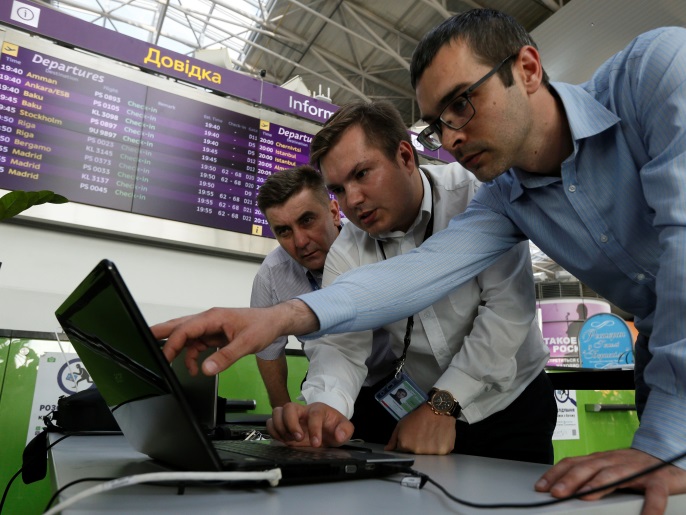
(16, 399)
(243, 381)
(603, 430)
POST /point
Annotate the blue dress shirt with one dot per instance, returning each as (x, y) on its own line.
(616, 219)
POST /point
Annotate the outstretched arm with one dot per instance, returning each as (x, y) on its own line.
(237, 331)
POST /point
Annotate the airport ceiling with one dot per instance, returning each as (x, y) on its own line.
(341, 49)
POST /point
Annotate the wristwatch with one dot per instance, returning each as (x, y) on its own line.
(442, 402)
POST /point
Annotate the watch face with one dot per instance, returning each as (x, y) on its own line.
(442, 401)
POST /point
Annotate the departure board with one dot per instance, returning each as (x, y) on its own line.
(106, 141)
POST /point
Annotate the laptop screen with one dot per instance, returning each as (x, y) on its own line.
(115, 344)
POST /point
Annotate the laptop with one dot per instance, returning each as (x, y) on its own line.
(139, 386)
(200, 391)
(202, 394)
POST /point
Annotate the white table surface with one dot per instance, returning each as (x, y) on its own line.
(472, 478)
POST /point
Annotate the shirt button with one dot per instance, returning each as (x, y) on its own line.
(603, 238)
(640, 277)
(572, 188)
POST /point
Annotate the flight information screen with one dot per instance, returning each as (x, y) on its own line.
(106, 141)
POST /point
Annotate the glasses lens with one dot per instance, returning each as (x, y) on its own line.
(458, 113)
(429, 138)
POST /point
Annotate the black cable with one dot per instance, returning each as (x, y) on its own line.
(9, 483)
(7, 489)
(425, 478)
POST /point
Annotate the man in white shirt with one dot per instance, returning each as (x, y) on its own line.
(479, 347)
(305, 222)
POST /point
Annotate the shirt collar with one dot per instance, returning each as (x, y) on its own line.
(586, 117)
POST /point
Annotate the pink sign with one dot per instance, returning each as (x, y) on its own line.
(562, 320)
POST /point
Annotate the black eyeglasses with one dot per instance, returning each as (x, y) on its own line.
(457, 113)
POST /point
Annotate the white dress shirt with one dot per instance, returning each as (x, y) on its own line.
(481, 342)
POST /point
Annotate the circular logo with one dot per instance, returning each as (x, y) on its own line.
(605, 341)
(25, 14)
(73, 377)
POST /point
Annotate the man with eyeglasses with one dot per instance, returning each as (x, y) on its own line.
(593, 174)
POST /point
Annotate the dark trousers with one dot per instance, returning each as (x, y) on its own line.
(523, 431)
(642, 358)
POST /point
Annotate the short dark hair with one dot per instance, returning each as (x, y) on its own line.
(281, 186)
(492, 36)
(381, 122)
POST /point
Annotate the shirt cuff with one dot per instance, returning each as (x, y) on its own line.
(465, 389)
(331, 398)
(661, 433)
(334, 309)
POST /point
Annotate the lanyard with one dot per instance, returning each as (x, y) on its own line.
(400, 362)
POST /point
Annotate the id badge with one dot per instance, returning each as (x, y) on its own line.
(400, 396)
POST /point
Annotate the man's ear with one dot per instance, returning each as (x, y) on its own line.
(406, 155)
(335, 211)
(529, 68)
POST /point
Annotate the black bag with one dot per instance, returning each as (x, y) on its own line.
(84, 411)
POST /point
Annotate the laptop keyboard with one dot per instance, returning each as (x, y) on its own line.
(276, 452)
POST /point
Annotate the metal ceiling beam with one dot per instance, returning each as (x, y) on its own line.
(373, 44)
(382, 23)
(438, 7)
(107, 15)
(336, 73)
(398, 58)
(204, 29)
(210, 21)
(338, 61)
(290, 61)
(161, 13)
(103, 12)
(364, 74)
(353, 51)
(342, 63)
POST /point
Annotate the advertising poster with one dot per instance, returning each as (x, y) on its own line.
(562, 320)
(567, 427)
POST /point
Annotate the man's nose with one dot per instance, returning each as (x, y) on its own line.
(451, 139)
(354, 195)
(301, 238)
